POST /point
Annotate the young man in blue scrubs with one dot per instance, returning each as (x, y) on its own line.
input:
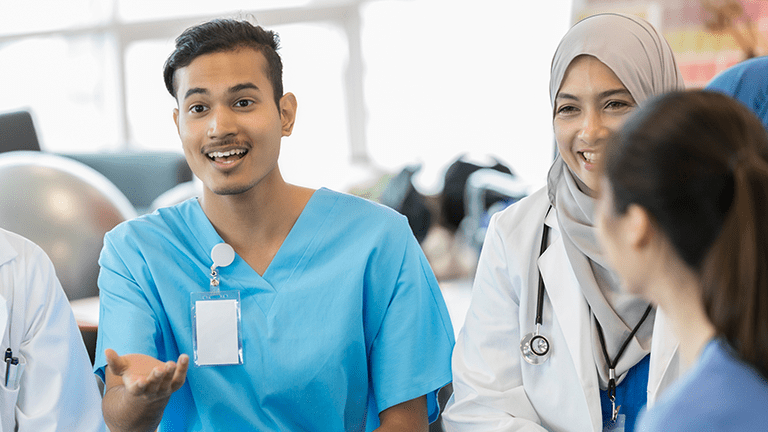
(332, 319)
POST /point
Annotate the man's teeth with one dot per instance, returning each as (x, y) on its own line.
(226, 153)
(590, 157)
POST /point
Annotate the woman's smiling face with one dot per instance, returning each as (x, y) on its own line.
(591, 104)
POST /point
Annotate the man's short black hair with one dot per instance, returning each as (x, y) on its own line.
(221, 35)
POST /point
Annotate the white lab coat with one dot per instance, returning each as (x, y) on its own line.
(494, 388)
(57, 390)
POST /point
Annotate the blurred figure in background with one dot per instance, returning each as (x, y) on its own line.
(746, 82)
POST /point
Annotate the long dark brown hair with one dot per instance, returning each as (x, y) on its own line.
(698, 162)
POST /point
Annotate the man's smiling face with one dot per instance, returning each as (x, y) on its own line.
(227, 120)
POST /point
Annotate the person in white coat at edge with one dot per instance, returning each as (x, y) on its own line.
(605, 66)
(46, 382)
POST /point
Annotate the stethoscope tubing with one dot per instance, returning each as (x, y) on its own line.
(535, 347)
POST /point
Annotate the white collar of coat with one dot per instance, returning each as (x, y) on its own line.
(572, 312)
(7, 251)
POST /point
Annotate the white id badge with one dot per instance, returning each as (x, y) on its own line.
(216, 328)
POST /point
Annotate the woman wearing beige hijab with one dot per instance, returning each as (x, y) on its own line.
(550, 341)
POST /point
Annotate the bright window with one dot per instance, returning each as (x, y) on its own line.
(380, 84)
(24, 17)
(70, 86)
(454, 77)
(143, 10)
(149, 105)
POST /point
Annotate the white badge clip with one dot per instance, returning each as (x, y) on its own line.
(216, 324)
(222, 255)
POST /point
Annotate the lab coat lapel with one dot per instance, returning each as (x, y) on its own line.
(7, 251)
(7, 254)
(8, 397)
(573, 316)
(665, 365)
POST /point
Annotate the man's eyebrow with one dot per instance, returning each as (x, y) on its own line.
(233, 89)
(195, 90)
(243, 86)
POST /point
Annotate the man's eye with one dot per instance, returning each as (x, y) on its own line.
(242, 103)
(196, 109)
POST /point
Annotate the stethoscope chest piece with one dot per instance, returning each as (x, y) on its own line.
(535, 348)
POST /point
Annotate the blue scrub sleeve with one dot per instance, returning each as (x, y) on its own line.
(411, 354)
(127, 323)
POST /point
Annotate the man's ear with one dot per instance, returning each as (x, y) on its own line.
(639, 226)
(176, 118)
(288, 107)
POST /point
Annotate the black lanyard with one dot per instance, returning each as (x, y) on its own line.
(540, 294)
(612, 364)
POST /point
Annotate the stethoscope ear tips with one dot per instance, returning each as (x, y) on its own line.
(535, 348)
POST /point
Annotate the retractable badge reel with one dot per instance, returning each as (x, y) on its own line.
(216, 324)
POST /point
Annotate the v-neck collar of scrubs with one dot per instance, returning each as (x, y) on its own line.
(296, 249)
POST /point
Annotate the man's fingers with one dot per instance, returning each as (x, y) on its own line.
(117, 365)
(132, 385)
(159, 380)
(180, 375)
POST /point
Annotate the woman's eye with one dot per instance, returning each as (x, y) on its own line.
(566, 109)
(617, 105)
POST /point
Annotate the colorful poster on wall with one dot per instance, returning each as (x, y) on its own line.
(707, 36)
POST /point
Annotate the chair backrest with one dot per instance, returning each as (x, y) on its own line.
(141, 176)
(17, 132)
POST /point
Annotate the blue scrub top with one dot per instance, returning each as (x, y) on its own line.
(720, 393)
(346, 321)
(746, 82)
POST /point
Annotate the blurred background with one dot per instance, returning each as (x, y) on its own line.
(381, 83)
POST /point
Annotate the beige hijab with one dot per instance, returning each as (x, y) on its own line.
(643, 61)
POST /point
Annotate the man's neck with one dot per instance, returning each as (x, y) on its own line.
(256, 222)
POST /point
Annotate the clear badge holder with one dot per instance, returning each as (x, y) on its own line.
(216, 320)
(615, 425)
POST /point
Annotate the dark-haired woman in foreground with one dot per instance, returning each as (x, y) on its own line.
(682, 219)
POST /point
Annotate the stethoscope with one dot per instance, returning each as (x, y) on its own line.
(535, 346)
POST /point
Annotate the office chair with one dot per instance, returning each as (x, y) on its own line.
(17, 132)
